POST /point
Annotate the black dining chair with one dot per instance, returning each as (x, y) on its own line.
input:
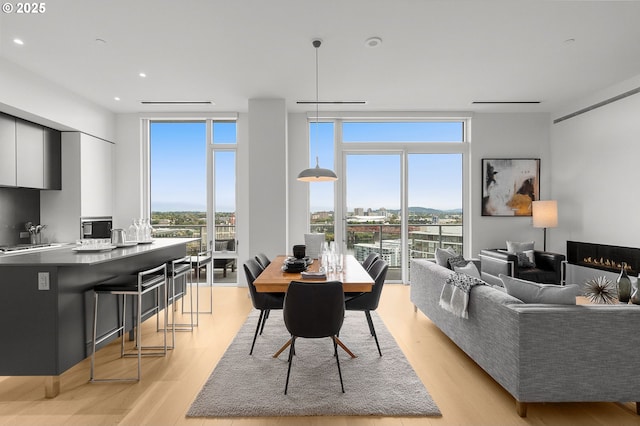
(263, 260)
(265, 302)
(368, 302)
(366, 264)
(312, 311)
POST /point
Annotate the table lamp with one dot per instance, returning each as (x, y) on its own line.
(545, 215)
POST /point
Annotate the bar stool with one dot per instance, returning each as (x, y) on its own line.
(202, 260)
(179, 268)
(132, 285)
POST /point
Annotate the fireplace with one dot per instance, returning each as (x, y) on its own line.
(604, 257)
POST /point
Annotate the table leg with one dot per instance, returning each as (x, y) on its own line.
(342, 345)
(285, 346)
(338, 341)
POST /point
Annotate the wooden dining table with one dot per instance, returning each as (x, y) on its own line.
(354, 278)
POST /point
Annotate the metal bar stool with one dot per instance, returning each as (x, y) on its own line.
(202, 260)
(132, 285)
(179, 268)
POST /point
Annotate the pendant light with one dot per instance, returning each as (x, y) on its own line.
(317, 174)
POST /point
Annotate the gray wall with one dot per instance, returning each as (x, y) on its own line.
(17, 206)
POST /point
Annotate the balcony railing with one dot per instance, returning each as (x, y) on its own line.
(385, 239)
(222, 232)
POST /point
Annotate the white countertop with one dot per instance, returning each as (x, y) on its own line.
(66, 256)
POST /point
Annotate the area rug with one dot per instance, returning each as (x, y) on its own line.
(244, 385)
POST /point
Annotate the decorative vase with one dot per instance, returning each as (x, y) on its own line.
(624, 285)
(635, 294)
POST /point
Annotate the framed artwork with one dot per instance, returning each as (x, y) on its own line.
(509, 186)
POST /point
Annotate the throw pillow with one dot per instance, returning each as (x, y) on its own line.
(221, 245)
(456, 260)
(526, 259)
(530, 292)
(470, 269)
(518, 247)
(443, 255)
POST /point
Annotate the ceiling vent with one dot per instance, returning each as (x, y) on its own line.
(505, 102)
(331, 102)
(177, 103)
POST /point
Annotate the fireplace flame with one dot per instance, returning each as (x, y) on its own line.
(607, 263)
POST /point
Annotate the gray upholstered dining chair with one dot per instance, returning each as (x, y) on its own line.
(366, 264)
(265, 302)
(263, 260)
(368, 302)
(314, 310)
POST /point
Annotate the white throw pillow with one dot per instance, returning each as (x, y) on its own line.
(443, 255)
(530, 292)
(469, 269)
(518, 247)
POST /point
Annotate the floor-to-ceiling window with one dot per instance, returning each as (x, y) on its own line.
(400, 188)
(192, 188)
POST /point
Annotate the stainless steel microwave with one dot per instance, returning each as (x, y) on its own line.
(95, 227)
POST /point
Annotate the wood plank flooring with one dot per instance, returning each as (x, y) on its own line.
(464, 393)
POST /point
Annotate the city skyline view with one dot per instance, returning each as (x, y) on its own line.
(178, 167)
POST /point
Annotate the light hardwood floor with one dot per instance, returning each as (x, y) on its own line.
(464, 393)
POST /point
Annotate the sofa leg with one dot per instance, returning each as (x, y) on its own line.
(415, 309)
(638, 408)
(521, 408)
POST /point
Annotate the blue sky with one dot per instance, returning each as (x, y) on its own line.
(178, 167)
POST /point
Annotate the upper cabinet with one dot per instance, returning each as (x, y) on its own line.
(52, 159)
(30, 154)
(7, 150)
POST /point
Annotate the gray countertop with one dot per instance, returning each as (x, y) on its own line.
(66, 256)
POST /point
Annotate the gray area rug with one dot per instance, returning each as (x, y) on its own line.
(244, 385)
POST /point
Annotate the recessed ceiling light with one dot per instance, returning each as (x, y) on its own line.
(373, 42)
(101, 41)
(117, 98)
(18, 41)
(569, 41)
(143, 75)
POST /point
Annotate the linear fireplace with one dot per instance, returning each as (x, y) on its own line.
(604, 257)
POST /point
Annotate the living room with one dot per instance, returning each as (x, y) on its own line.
(586, 160)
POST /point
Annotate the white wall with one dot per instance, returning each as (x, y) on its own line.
(29, 96)
(267, 170)
(594, 174)
(506, 136)
(128, 195)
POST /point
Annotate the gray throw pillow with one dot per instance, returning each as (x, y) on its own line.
(530, 292)
(470, 269)
(456, 260)
(518, 247)
(443, 255)
(526, 259)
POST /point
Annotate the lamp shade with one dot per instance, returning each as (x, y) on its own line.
(545, 214)
(317, 174)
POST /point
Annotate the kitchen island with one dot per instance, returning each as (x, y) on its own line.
(46, 304)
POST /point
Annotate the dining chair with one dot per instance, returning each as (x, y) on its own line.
(265, 302)
(368, 301)
(263, 260)
(312, 311)
(366, 264)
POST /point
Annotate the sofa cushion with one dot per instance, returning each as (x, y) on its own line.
(531, 292)
(470, 269)
(443, 255)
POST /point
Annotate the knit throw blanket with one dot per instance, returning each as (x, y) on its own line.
(455, 293)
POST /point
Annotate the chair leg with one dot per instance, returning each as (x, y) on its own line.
(291, 351)
(256, 333)
(264, 319)
(373, 330)
(335, 352)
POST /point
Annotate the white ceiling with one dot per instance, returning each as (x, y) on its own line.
(435, 55)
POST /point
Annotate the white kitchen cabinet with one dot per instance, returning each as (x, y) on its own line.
(7, 150)
(87, 187)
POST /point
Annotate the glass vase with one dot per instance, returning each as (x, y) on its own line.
(624, 285)
(635, 294)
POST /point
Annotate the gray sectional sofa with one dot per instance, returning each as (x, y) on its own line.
(537, 352)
